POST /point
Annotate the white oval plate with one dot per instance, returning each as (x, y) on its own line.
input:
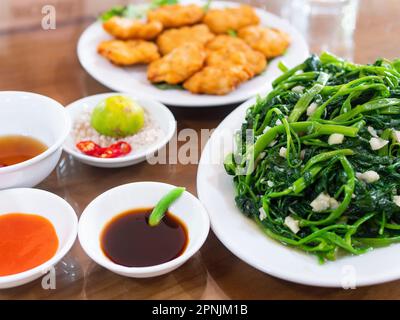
(134, 80)
(244, 238)
(160, 114)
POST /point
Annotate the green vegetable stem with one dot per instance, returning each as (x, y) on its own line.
(162, 206)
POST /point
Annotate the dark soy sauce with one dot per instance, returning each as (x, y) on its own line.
(128, 240)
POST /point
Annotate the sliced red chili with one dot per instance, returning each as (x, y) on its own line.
(89, 148)
(115, 150)
(123, 146)
(109, 153)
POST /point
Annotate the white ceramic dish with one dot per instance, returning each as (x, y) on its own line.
(134, 80)
(53, 208)
(140, 195)
(159, 113)
(36, 116)
(243, 237)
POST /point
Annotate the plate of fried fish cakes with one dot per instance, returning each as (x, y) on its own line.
(189, 53)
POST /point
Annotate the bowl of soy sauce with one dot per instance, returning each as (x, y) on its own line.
(114, 230)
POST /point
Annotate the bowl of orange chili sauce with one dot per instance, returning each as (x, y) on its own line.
(37, 230)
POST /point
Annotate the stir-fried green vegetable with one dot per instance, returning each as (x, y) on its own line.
(322, 171)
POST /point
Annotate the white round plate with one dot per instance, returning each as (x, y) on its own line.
(134, 80)
(244, 238)
(160, 114)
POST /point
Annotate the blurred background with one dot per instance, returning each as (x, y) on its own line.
(360, 30)
(328, 25)
(333, 25)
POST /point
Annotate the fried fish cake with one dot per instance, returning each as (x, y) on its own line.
(253, 62)
(223, 20)
(216, 80)
(173, 38)
(174, 16)
(130, 52)
(223, 41)
(128, 29)
(178, 65)
(271, 42)
(229, 50)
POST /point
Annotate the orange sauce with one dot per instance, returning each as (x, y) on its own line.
(26, 241)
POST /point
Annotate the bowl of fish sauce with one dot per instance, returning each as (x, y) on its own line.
(32, 131)
(114, 230)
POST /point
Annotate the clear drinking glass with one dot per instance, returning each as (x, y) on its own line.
(328, 25)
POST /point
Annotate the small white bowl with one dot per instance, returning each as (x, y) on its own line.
(159, 113)
(141, 195)
(36, 116)
(53, 208)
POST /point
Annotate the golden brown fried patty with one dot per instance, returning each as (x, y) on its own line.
(173, 38)
(178, 65)
(216, 80)
(228, 50)
(271, 42)
(130, 52)
(128, 29)
(174, 16)
(253, 62)
(224, 20)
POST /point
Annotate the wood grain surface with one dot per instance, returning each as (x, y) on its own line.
(45, 61)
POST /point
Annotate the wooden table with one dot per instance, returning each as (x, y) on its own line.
(33, 59)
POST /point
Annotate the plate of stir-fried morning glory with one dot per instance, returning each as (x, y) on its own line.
(308, 188)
